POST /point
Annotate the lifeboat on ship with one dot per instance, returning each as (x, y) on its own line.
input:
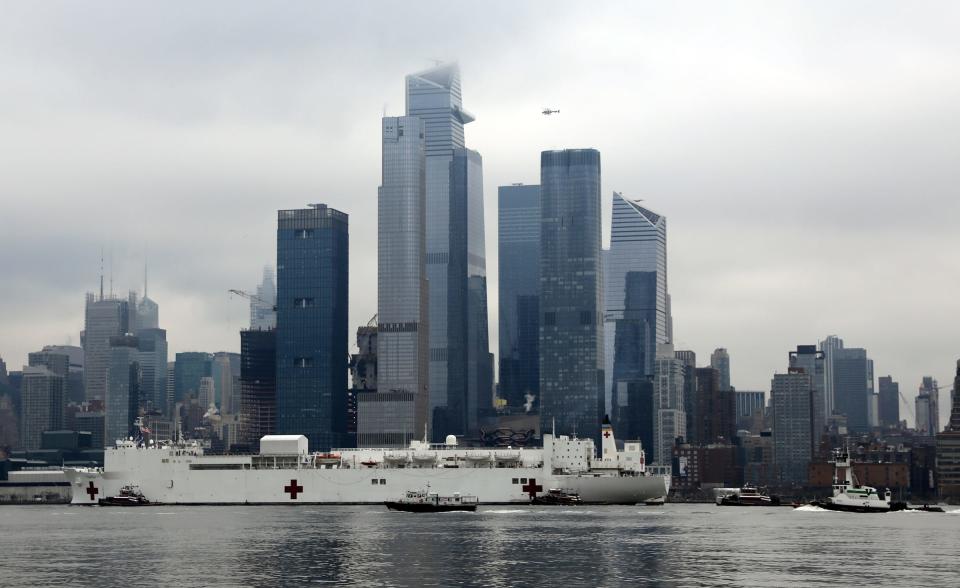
(326, 459)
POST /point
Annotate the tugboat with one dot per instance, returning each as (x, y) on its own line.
(128, 496)
(424, 501)
(557, 497)
(748, 496)
(850, 496)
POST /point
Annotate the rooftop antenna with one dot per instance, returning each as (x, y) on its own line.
(145, 266)
(111, 272)
(101, 272)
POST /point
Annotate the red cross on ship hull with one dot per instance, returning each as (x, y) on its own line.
(293, 489)
(532, 488)
(92, 491)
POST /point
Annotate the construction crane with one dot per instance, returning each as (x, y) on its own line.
(909, 405)
(254, 298)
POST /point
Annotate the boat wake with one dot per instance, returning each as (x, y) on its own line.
(954, 511)
(508, 511)
(809, 508)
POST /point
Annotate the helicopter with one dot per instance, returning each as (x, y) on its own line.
(549, 111)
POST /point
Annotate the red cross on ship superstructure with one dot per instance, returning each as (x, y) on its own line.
(606, 434)
(293, 489)
(92, 491)
(532, 488)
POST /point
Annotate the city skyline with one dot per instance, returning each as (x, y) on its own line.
(733, 285)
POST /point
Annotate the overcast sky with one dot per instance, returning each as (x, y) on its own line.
(805, 154)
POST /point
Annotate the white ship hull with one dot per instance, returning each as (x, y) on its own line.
(491, 486)
(182, 474)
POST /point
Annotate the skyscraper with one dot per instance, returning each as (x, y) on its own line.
(670, 420)
(455, 257)
(189, 367)
(105, 317)
(720, 361)
(689, 359)
(571, 329)
(791, 401)
(153, 366)
(469, 365)
(226, 379)
(42, 405)
(852, 386)
(948, 446)
(124, 377)
(889, 402)
(403, 295)
(148, 311)
(258, 385)
(636, 316)
(312, 325)
(518, 230)
(928, 407)
(829, 346)
(74, 385)
(262, 313)
(812, 362)
(716, 408)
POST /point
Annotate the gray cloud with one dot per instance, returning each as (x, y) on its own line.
(804, 153)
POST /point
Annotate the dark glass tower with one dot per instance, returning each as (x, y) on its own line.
(258, 385)
(571, 327)
(518, 230)
(312, 306)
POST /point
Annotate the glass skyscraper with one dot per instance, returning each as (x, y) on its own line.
(105, 318)
(455, 257)
(571, 327)
(312, 324)
(402, 303)
(124, 377)
(518, 230)
(636, 312)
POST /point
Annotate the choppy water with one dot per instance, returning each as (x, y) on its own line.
(496, 546)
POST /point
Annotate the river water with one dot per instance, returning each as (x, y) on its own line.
(672, 545)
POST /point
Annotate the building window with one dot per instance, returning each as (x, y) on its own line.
(302, 302)
(550, 318)
(303, 362)
(303, 233)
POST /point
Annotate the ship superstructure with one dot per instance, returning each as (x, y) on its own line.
(285, 472)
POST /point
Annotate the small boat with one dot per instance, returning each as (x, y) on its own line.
(748, 496)
(659, 501)
(128, 496)
(927, 508)
(424, 501)
(558, 497)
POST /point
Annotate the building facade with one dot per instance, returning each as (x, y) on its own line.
(571, 327)
(791, 402)
(670, 419)
(189, 368)
(42, 404)
(312, 324)
(889, 402)
(813, 363)
(518, 229)
(263, 314)
(928, 407)
(124, 377)
(948, 447)
(403, 299)
(636, 316)
(852, 386)
(105, 317)
(455, 257)
(258, 385)
(720, 361)
(153, 366)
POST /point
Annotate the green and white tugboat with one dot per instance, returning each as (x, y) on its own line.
(851, 496)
